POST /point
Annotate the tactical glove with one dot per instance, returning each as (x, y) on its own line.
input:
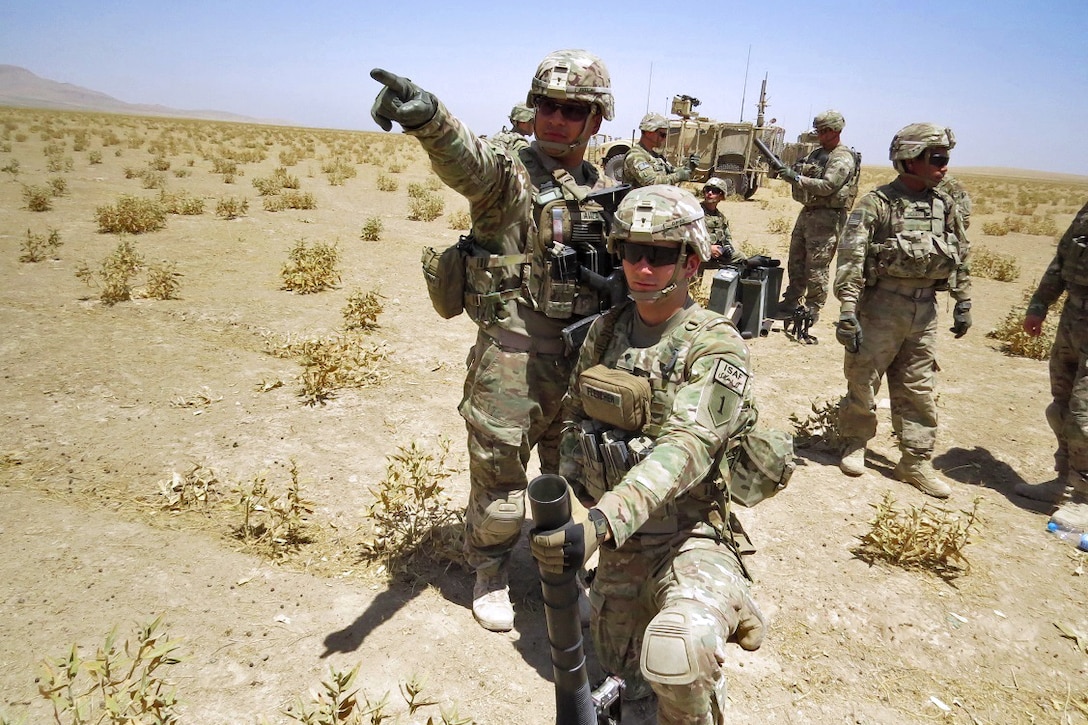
(693, 162)
(788, 174)
(743, 617)
(848, 332)
(401, 101)
(567, 549)
(683, 174)
(961, 318)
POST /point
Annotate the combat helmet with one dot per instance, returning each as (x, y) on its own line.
(912, 141)
(656, 214)
(716, 182)
(831, 119)
(653, 122)
(575, 75)
(521, 113)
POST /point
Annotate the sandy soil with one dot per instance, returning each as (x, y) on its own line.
(91, 428)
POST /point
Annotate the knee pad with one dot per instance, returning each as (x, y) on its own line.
(502, 517)
(671, 649)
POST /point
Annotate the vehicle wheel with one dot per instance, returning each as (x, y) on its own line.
(751, 184)
(613, 166)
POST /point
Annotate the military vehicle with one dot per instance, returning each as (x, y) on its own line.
(725, 150)
(793, 152)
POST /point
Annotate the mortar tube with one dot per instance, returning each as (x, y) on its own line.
(549, 502)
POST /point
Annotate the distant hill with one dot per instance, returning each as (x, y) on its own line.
(21, 88)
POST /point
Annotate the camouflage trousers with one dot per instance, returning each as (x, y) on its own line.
(813, 243)
(1067, 413)
(511, 405)
(699, 583)
(899, 336)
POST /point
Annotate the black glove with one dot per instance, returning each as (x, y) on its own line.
(961, 318)
(567, 549)
(401, 101)
(848, 332)
(693, 162)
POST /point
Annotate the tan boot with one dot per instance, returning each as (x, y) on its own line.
(919, 472)
(1049, 492)
(491, 602)
(1072, 513)
(852, 462)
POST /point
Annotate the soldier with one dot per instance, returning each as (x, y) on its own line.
(670, 589)
(1068, 411)
(521, 129)
(644, 165)
(528, 207)
(722, 252)
(899, 248)
(955, 189)
(825, 182)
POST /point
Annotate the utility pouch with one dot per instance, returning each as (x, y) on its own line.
(444, 273)
(762, 466)
(615, 397)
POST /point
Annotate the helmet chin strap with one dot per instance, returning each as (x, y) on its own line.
(560, 149)
(668, 289)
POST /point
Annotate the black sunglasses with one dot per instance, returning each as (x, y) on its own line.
(632, 252)
(937, 159)
(571, 112)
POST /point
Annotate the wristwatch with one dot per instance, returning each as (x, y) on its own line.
(600, 523)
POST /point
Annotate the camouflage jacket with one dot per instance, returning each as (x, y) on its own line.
(1068, 271)
(828, 179)
(700, 377)
(894, 232)
(510, 139)
(717, 226)
(955, 189)
(642, 167)
(501, 187)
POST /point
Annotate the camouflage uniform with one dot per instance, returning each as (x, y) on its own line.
(643, 167)
(521, 203)
(671, 576)
(955, 189)
(898, 248)
(514, 139)
(826, 186)
(718, 228)
(1067, 413)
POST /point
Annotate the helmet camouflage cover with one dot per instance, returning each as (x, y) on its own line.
(913, 140)
(653, 122)
(661, 213)
(574, 75)
(831, 119)
(715, 182)
(521, 112)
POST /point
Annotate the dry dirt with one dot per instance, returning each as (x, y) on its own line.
(90, 430)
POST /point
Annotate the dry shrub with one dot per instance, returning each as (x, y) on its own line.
(820, 430)
(37, 198)
(362, 310)
(181, 202)
(411, 513)
(121, 683)
(330, 364)
(921, 538)
(58, 186)
(372, 229)
(416, 190)
(1043, 226)
(460, 220)
(425, 208)
(39, 246)
(778, 225)
(196, 489)
(337, 171)
(131, 215)
(114, 277)
(162, 281)
(274, 525)
(231, 207)
(299, 200)
(698, 290)
(386, 183)
(994, 265)
(311, 269)
(94, 157)
(1018, 343)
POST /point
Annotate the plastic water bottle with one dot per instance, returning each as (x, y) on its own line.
(1077, 539)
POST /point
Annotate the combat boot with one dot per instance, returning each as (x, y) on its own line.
(1049, 492)
(918, 472)
(1072, 513)
(852, 462)
(491, 602)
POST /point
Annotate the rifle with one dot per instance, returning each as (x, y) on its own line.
(801, 323)
(776, 163)
(575, 702)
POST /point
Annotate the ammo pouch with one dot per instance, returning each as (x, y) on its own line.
(615, 397)
(761, 466)
(444, 273)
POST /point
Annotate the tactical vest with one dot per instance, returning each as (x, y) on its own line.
(566, 232)
(918, 242)
(1075, 262)
(813, 166)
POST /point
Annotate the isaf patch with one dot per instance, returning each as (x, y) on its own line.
(719, 400)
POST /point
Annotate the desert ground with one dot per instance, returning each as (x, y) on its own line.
(111, 408)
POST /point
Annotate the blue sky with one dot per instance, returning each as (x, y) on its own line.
(1010, 78)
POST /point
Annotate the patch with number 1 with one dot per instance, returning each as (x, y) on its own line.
(719, 400)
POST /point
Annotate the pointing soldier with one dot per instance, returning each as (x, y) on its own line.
(526, 205)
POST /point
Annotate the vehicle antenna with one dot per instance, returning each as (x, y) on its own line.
(649, 82)
(744, 91)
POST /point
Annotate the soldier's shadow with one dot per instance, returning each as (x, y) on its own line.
(978, 467)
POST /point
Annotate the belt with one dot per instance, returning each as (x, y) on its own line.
(907, 290)
(516, 342)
